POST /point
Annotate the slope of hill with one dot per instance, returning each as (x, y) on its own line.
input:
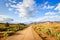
(48, 30)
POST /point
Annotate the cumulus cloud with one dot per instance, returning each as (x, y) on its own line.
(58, 7)
(48, 18)
(25, 8)
(10, 9)
(29, 9)
(48, 7)
(4, 19)
(46, 3)
(13, 1)
(50, 13)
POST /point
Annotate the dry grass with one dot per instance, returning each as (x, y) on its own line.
(53, 26)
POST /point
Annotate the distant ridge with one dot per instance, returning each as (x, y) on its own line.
(45, 22)
(35, 22)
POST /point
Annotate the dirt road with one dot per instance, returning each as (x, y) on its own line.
(26, 34)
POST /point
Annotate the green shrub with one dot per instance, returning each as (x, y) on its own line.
(58, 37)
(7, 24)
(21, 27)
(16, 28)
(8, 33)
(9, 30)
(3, 28)
(46, 31)
(49, 32)
(56, 27)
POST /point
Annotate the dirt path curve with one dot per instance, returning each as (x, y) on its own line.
(27, 34)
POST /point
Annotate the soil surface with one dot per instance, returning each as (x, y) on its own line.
(26, 34)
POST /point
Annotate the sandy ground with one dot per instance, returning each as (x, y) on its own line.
(26, 34)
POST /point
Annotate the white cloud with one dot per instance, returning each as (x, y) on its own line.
(16, 21)
(48, 7)
(50, 13)
(46, 3)
(10, 9)
(58, 7)
(13, 1)
(25, 8)
(48, 18)
(22, 21)
(4, 19)
(15, 12)
(14, 6)
(28, 8)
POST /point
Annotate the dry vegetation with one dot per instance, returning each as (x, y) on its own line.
(7, 29)
(48, 30)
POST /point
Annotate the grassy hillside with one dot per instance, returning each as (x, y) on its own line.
(7, 29)
(48, 30)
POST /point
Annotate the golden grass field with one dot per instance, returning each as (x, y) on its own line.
(45, 30)
(7, 30)
(48, 30)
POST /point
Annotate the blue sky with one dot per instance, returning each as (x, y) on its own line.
(27, 11)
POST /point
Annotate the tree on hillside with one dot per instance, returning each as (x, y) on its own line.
(7, 24)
